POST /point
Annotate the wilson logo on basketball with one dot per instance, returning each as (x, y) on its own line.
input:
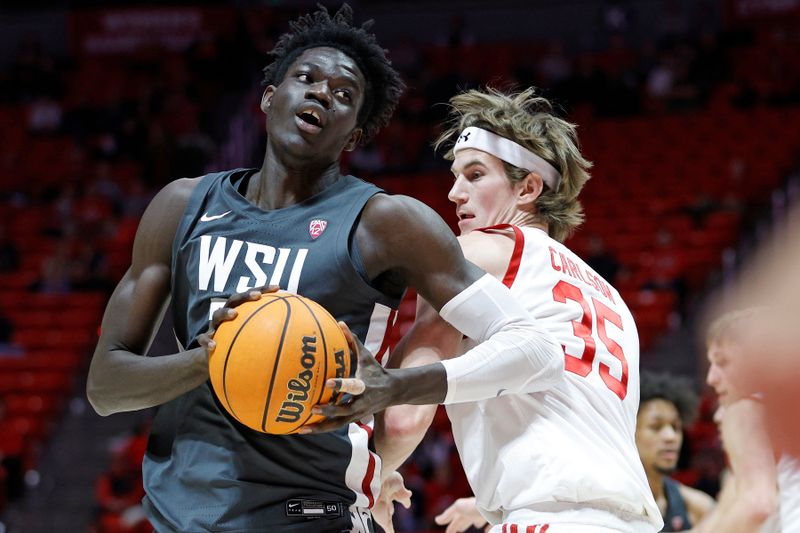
(292, 408)
(316, 227)
(338, 357)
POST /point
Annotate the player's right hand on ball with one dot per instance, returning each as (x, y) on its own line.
(460, 516)
(228, 312)
(370, 390)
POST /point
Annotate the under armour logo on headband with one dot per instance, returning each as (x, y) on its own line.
(508, 151)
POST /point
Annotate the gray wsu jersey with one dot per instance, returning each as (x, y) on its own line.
(203, 471)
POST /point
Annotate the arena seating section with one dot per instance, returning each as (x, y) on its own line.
(668, 195)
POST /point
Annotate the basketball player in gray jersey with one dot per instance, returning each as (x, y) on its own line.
(297, 223)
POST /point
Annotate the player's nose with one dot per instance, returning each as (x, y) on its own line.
(669, 433)
(457, 194)
(320, 92)
(712, 378)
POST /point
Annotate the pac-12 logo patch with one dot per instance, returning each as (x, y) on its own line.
(316, 227)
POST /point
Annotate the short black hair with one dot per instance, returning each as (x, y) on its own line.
(317, 29)
(676, 390)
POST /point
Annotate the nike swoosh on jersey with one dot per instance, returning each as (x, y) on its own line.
(207, 218)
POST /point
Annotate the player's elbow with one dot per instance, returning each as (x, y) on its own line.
(97, 400)
(98, 393)
(759, 506)
(408, 422)
(550, 363)
(557, 362)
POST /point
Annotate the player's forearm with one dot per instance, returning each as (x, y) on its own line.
(519, 359)
(421, 385)
(739, 517)
(398, 431)
(515, 353)
(123, 381)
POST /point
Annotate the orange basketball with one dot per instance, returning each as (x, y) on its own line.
(271, 362)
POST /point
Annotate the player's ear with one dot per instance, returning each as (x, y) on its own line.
(266, 98)
(355, 138)
(529, 189)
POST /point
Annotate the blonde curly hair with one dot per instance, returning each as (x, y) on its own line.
(528, 120)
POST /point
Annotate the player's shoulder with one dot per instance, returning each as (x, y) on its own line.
(178, 191)
(697, 502)
(391, 207)
(491, 251)
(395, 216)
(167, 206)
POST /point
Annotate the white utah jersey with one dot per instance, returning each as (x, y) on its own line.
(571, 447)
(789, 493)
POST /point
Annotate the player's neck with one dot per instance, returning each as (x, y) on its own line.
(527, 220)
(281, 183)
(656, 481)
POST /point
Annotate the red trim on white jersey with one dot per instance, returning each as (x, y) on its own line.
(516, 255)
(379, 333)
(362, 472)
(370, 474)
(361, 476)
(514, 528)
(384, 349)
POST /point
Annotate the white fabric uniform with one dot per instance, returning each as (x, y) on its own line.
(789, 494)
(565, 455)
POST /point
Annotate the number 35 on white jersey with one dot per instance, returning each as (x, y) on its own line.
(573, 444)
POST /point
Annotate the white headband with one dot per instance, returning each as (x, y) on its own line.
(508, 151)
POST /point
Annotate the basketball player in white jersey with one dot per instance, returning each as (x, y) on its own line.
(763, 493)
(560, 459)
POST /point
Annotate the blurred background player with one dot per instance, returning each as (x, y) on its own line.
(564, 457)
(749, 498)
(666, 406)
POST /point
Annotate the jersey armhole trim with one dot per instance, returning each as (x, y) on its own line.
(516, 255)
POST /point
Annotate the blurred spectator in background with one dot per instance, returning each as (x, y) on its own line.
(554, 67)
(44, 116)
(55, 274)
(667, 405)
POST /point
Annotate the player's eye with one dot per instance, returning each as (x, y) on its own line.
(344, 94)
(303, 76)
